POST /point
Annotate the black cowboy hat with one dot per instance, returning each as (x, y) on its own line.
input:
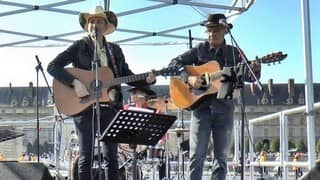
(214, 20)
(98, 11)
(146, 89)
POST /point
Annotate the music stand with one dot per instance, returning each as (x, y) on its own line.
(137, 128)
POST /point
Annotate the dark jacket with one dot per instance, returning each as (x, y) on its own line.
(80, 55)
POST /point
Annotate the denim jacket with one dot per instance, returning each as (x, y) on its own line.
(226, 56)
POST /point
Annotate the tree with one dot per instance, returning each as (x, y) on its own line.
(258, 146)
(301, 147)
(291, 145)
(30, 147)
(47, 147)
(275, 145)
(266, 145)
(318, 146)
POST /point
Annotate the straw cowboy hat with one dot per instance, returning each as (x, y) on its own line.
(145, 89)
(214, 20)
(98, 11)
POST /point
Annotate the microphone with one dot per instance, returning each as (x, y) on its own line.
(224, 23)
(95, 33)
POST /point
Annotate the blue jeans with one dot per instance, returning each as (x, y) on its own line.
(204, 122)
(109, 151)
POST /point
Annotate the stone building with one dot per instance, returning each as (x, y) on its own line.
(19, 113)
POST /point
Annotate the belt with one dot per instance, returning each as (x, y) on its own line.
(104, 105)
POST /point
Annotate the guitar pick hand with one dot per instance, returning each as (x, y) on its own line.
(79, 88)
(256, 67)
(151, 78)
(195, 81)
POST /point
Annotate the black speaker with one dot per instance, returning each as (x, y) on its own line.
(23, 171)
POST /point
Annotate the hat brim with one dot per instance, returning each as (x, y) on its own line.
(109, 16)
(210, 24)
(148, 91)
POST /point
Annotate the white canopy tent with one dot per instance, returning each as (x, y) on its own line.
(28, 36)
(40, 30)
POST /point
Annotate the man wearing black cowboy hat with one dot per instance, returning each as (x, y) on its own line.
(139, 97)
(212, 116)
(97, 23)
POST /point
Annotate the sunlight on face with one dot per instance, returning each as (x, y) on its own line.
(138, 96)
(96, 23)
(216, 34)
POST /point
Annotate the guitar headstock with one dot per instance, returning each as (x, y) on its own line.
(272, 58)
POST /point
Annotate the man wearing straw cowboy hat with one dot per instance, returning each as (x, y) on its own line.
(80, 54)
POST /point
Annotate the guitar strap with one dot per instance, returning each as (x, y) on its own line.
(113, 60)
(229, 56)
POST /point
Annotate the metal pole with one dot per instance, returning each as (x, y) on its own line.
(37, 112)
(251, 170)
(107, 5)
(306, 42)
(237, 135)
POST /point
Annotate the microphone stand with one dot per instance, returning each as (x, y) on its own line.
(58, 136)
(245, 61)
(97, 91)
(38, 67)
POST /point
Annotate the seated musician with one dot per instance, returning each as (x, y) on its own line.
(139, 97)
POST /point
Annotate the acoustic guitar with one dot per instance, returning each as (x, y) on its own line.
(186, 97)
(68, 103)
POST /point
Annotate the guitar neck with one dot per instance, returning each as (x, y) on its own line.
(125, 79)
(170, 71)
(216, 75)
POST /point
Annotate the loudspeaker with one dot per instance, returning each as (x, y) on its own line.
(24, 171)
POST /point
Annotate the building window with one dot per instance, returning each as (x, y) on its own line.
(303, 132)
(265, 132)
(291, 132)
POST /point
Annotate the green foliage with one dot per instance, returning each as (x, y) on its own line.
(275, 145)
(258, 146)
(291, 145)
(301, 147)
(318, 146)
(29, 147)
(266, 147)
(45, 147)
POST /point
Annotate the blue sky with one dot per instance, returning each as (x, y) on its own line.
(267, 26)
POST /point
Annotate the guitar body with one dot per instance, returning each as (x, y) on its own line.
(186, 98)
(66, 99)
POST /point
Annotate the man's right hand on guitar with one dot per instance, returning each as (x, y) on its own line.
(79, 88)
(195, 81)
